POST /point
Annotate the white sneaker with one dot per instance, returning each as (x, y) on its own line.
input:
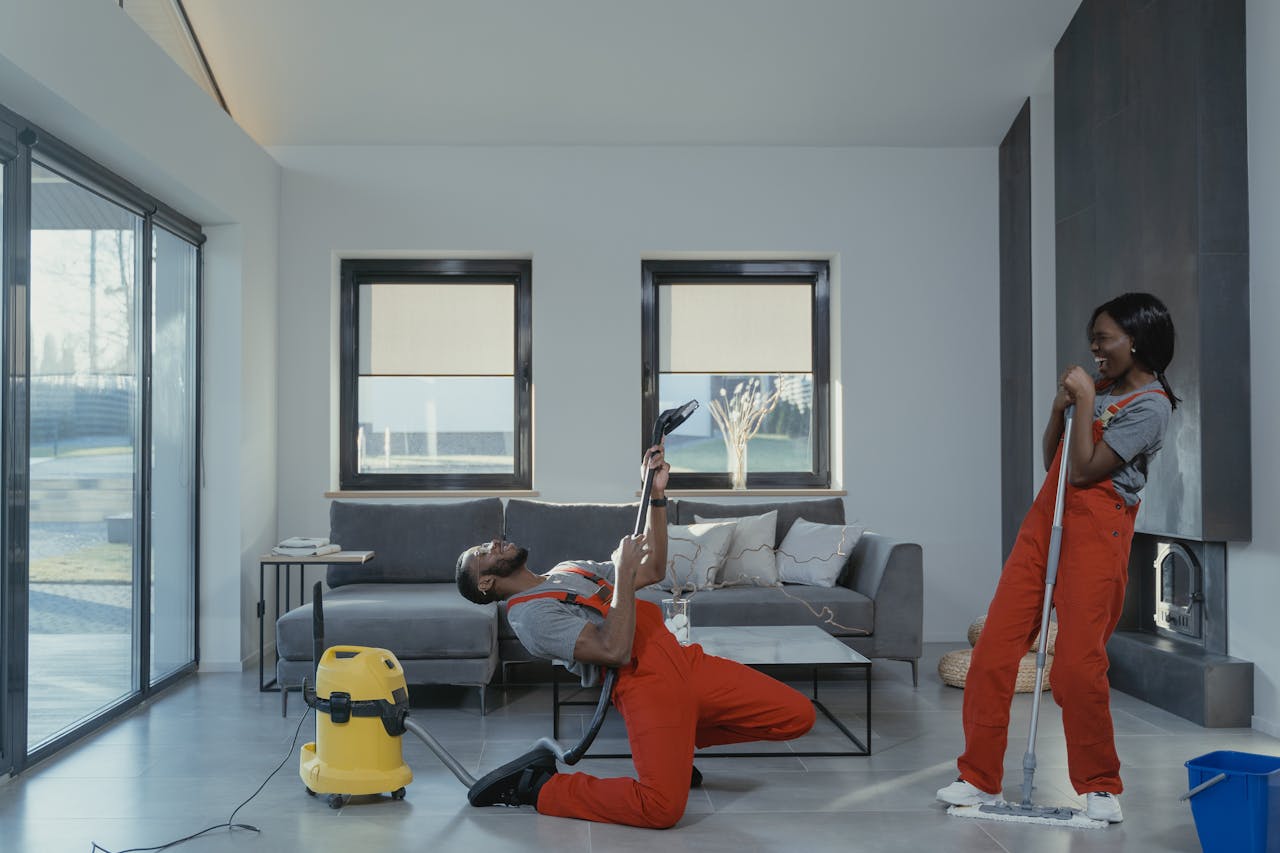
(1103, 806)
(961, 793)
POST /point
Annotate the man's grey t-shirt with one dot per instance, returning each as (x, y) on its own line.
(1136, 434)
(549, 628)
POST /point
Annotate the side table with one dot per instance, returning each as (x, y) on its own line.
(279, 561)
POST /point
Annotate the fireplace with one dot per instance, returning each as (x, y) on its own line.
(1149, 99)
(1170, 648)
(1178, 593)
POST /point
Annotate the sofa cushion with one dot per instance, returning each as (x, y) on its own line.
(816, 554)
(850, 613)
(414, 542)
(412, 621)
(751, 559)
(821, 510)
(554, 533)
(695, 555)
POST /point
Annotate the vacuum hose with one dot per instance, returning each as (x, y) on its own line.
(441, 753)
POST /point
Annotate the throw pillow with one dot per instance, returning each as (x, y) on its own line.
(750, 561)
(813, 554)
(694, 554)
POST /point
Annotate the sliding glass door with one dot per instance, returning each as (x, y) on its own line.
(8, 150)
(84, 434)
(173, 453)
(99, 417)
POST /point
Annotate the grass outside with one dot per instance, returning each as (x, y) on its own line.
(106, 563)
(764, 453)
(41, 451)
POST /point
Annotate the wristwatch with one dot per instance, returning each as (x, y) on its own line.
(657, 501)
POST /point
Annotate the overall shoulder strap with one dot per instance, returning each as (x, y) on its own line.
(592, 602)
(1114, 409)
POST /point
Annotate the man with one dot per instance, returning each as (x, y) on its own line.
(673, 698)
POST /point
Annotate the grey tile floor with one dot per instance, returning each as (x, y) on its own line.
(186, 759)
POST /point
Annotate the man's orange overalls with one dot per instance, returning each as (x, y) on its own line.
(1097, 530)
(674, 698)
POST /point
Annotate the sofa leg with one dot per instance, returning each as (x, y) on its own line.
(482, 698)
(915, 669)
(284, 701)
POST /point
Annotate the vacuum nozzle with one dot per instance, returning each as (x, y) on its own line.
(672, 418)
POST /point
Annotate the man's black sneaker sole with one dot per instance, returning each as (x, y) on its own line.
(501, 787)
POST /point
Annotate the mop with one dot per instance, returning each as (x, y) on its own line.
(1026, 811)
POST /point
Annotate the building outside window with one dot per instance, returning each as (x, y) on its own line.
(436, 373)
(729, 332)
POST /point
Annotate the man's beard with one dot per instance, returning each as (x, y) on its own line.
(509, 566)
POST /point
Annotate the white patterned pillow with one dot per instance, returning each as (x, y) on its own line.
(750, 561)
(695, 553)
(813, 554)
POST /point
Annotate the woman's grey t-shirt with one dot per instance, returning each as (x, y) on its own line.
(549, 628)
(1136, 434)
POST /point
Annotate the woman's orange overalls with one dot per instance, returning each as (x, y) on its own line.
(1097, 530)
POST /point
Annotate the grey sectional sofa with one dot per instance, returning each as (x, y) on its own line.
(405, 599)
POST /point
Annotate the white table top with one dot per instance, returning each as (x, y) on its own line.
(756, 645)
(335, 557)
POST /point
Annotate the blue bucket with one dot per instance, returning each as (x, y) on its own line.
(1235, 799)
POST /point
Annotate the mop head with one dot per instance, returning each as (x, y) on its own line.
(1020, 813)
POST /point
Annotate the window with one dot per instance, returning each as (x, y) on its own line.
(436, 372)
(715, 329)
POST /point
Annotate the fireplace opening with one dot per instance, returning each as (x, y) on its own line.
(1179, 593)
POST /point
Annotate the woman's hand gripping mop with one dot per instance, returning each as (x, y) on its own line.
(1026, 811)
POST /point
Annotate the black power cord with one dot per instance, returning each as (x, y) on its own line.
(228, 824)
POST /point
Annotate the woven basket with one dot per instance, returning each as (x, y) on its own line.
(976, 628)
(953, 667)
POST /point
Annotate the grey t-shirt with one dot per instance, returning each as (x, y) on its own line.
(1136, 433)
(549, 628)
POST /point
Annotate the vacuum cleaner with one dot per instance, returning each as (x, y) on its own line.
(361, 701)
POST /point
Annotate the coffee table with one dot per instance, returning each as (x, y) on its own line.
(768, 646)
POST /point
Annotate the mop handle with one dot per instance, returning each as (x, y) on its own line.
(1050, 580)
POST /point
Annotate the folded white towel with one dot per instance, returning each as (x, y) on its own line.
(320, 551)
(304, 542)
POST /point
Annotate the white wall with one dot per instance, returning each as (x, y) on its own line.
(914, 236)
(1253, 569)
(82, 70)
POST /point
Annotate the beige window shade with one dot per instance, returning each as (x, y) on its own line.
(437, 329)
(735, 328)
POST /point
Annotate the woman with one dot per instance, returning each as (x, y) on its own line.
(1131, 338)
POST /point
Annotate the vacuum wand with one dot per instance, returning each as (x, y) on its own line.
(664, 425)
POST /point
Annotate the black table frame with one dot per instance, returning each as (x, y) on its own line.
(273, 686)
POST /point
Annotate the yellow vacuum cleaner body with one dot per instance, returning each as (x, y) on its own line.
(361, 702)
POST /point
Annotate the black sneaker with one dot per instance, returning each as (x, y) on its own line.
(516, 783)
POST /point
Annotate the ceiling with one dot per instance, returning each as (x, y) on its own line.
(931, 73)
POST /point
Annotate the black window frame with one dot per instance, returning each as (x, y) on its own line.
(656, 273)
(358, 271)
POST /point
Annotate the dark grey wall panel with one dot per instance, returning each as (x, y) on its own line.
(1152, 194)
(1015, 326)
(1073, 115)
(1077, 287)
(1226, 478)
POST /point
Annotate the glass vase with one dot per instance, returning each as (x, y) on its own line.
(738, 466)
